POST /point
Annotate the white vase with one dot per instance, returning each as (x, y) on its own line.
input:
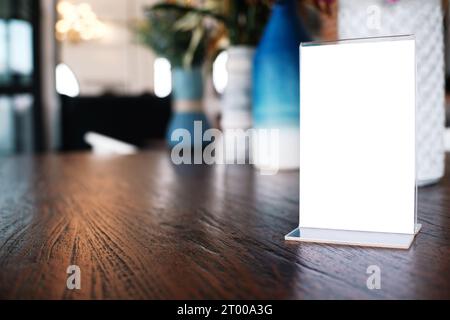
(424, 19)
(237, 101)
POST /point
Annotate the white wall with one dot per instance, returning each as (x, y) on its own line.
(115, 62)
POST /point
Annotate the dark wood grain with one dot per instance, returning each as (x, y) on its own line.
(141, 228)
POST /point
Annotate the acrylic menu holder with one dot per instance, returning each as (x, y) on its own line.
(357, 143)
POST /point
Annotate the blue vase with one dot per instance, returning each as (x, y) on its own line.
(276, 80)
(187, 93)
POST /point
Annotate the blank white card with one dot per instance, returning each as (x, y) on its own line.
(357, 135)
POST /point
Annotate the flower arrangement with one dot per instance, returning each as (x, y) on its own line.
(178, 33)
(187, 32)
(245, 20)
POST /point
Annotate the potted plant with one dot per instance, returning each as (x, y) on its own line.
(181, 35)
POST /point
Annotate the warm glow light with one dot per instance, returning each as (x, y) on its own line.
(162, 77)
(66, 82)
(78, 22)
(84, 9)
(64, 7)
(62, 26)
(220, 73)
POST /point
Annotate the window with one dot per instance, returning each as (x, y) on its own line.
(19, 78)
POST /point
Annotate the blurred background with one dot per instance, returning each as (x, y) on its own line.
(70, 67)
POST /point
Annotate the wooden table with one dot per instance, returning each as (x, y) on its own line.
(140, 227)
